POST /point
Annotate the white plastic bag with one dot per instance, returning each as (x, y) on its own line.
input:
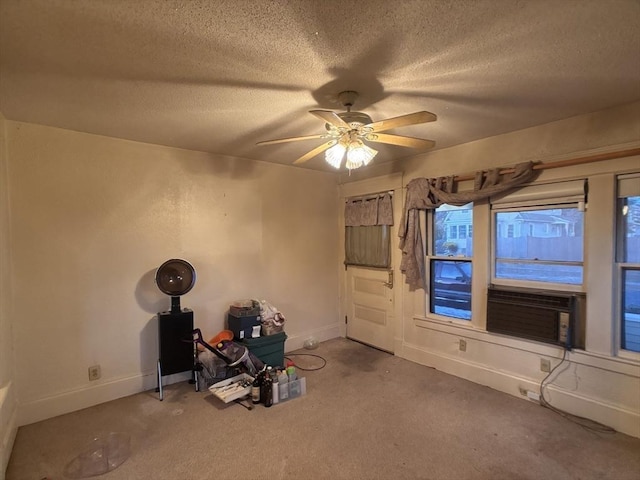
(272, 319)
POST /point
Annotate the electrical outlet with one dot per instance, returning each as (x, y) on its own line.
(462, 345)
(533, 396)
(94, 372)
(545, 365)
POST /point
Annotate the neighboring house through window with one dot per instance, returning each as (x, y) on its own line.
(450, 265)
(542, 246)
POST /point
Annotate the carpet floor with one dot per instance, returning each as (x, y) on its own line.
(366, 415)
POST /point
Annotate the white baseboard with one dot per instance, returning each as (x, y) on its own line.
(9, 424)
(90, 395)
(94, 394)
(618, 417)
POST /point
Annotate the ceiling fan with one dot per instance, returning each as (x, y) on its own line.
(347, 134)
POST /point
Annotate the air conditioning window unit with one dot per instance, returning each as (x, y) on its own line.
(542, 315)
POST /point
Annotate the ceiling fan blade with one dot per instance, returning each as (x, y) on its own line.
(330, 117)
(315, 151)
(410, 142)
(403, 120)
(290, 139)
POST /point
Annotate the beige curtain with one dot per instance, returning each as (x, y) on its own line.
(430, 193)
(367, 221)
(376, 210)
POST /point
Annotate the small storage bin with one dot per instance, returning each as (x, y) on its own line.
(243, 327)
(232, 388)
(291, 390)
(269, 349)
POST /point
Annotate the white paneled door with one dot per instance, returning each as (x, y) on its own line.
(370, 306)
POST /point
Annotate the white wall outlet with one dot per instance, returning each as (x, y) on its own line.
(545, 365)
(462, 345)
(94, 372)
(533, 396)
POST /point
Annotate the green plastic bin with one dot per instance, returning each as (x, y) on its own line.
(269, 349)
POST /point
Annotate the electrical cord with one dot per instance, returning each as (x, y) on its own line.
(324, 362)
(585, 423)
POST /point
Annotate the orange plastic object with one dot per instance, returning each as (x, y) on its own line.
(223, 335)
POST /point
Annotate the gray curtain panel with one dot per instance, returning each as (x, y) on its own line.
(368, 246)
(430, 193)
(367, 221)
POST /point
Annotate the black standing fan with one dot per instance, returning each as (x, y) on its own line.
(175, 277)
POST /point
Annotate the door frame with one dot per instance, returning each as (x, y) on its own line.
(391, 182)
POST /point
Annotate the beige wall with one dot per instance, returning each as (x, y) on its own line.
(93, 217)
(8, 404)
(600, 383)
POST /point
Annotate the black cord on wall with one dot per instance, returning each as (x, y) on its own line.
(585, 423)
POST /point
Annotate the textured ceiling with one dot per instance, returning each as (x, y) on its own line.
(218, 76)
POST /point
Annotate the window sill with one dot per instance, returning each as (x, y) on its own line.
(447, 321)
(545, 286)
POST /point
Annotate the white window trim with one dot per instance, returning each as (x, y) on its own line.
(429, 241)
(619, 351)
(627, 185)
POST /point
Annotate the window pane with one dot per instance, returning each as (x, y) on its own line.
(452, 230)
(631, 309)
(367, 246)
(629, 210)
(540, 245)
(451, 288)
(539, 272)
(629, 253)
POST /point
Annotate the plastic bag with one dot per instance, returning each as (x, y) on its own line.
(272, 319)
(102, 455)
(213, 369)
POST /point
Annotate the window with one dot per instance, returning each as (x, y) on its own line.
(450, 261)
(368, 246)
(628, 257)
(545, 255)
(543, 245)
(367, 230)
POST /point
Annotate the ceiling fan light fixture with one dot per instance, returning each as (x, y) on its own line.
(335, 154)
(347, 131)
(359, 154)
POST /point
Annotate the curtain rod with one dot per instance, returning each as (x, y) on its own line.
(359, 198)
(565, 163)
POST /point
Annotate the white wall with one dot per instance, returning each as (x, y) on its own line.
(598, 383)
(8, 404)
(93, 217)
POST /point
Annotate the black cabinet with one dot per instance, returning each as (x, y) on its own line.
(176, 347)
